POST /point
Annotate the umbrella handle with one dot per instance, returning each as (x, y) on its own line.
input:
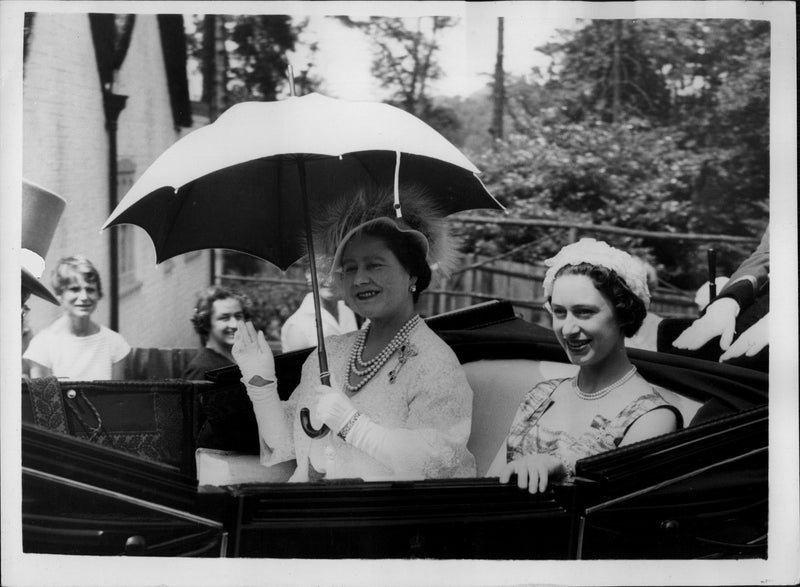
(324, 374)
(305, 413)
(305, 422)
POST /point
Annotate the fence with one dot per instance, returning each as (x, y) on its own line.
(521, 284)
(484, 278)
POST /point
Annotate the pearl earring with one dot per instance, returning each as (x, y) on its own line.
(413, 288)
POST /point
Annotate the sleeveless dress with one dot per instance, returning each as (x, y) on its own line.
(527, 436)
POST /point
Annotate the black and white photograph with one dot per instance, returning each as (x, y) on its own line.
(399, 293)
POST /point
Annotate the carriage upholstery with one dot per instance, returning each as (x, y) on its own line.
(155, 420)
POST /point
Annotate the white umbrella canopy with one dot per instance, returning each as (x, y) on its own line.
(312, 124)
(249, 181)
(236, 181)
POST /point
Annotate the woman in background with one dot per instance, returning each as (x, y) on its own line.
(75, 346)
(216, 314)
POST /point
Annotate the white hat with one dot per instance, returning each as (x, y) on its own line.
(589, 250)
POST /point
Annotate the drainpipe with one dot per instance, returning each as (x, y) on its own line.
(113, 104)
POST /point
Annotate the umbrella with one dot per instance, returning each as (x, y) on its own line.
(247, 181)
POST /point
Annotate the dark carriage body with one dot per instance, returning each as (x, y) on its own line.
(699, 492)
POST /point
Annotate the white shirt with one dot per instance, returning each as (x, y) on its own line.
(300, 329)
(80, 358)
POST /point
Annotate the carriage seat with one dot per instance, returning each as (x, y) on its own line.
(498, 387)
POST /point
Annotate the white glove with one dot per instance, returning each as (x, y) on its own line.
(270, 416)
(254, 358)
(373, 439)
(750, 342)
(719, 320)
(407, 452)
(333, 408)
(253, 355)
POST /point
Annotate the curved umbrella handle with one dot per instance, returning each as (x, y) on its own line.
(324, 374)
(305, 422)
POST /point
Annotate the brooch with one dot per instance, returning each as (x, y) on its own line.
(405, 352)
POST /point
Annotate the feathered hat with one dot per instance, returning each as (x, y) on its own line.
(340, 219)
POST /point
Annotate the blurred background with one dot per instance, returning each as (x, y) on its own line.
(651, 134)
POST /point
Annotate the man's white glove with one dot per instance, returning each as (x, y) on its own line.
(750, 342)
(253, 355)
(719, 320)
(333, 408)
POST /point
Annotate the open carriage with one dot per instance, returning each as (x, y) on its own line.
(119, 470)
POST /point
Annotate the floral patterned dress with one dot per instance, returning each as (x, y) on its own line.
(528, 436)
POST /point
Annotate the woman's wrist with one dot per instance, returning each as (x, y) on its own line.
(348, 426)
(261, 393)
(259, 381)
(565, 467)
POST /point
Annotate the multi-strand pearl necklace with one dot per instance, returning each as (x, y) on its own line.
(604, 391)
(368, 369)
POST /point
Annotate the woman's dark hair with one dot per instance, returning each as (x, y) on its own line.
(629, 309)
(201, 318)
(408, 252)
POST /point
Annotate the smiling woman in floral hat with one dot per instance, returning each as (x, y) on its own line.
(597, 295)
(399, 406)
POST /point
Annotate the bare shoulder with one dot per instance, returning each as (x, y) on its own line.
(635, 388)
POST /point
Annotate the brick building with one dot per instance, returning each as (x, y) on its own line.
(72, 64)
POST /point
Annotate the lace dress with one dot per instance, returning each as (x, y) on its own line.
(428, 411)
(528, 436)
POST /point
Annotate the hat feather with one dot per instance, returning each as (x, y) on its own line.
(332, 221)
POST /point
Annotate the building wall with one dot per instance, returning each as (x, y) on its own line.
(164, 294)
(66, 149)
(65, 146)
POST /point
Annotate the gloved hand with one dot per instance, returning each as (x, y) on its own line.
(719, 320)
(253, 355)
(333, 408)
(750, 342)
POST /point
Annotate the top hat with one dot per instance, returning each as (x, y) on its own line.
(41, 211)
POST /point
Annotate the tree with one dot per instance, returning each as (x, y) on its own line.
(655, 125)
(499, 86)
(258, 62)
(245, 56)
(405, 62)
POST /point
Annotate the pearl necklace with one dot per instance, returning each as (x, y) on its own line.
(368, 369)
(606, 390)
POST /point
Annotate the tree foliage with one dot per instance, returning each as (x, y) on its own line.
(258, 60)
(255, 51)
(659, 125)
(405, 61)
